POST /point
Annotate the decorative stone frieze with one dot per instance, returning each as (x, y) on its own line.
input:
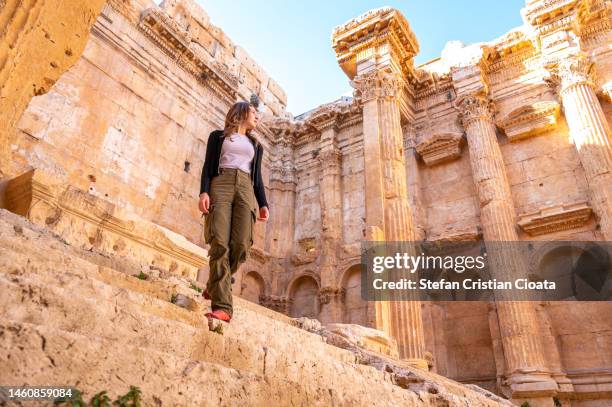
(530, 120)
(555, 218)
(440, 148)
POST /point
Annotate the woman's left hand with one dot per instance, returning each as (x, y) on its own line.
(264, 214)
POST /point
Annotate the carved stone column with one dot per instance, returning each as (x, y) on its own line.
(590, 132)
(383, 140)
(524, 361)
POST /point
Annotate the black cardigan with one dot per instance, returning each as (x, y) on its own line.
(211, 166)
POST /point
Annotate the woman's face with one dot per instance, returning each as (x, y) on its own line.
(252, 118)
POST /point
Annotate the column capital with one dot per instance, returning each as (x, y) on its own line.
(327, 293)
(330, 157)
(571, 71)
(474, 107)
(378, 84)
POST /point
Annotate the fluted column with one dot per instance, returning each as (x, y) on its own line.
(383, 144)
(524, 360)
(330, 187)
(590, 133)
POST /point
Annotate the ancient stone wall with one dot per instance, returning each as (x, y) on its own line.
(129, 122)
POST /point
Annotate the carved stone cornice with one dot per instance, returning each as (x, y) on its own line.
(176, 42)
(571, 71)
(326, 294)
(440, 148)
(540, 12)
(378, 84)
(530, 120)
(375, 27)
(555, 218)
(324, 117)
(475, 107)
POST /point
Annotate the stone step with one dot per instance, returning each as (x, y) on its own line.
(35, 354)
(55, 286)
(86, 265)
(93, 308)
(77, 302)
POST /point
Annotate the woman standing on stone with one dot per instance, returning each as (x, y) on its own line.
(231, 198)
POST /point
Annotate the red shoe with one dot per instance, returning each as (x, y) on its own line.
(219, 314)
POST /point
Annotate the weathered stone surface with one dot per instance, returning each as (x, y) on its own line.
(61, 295)
(367, 338)
(36, 47)
(88, 221)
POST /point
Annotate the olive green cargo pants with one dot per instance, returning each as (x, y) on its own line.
(228, 228)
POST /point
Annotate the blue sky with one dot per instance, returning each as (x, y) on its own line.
(291, 40)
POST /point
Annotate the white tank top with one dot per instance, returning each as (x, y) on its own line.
(237, 152)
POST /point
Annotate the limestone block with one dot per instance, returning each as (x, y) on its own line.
(88, 221)
(249, 80)
(366, 338)
(277, 91)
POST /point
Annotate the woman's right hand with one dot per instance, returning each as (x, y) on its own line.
(204, 203)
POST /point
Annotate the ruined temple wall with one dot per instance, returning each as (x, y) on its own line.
(449, 199)
(353, 192)
(307, 191)
(543, 170)
(129, 122)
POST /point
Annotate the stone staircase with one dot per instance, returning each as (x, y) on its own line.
(75, 317)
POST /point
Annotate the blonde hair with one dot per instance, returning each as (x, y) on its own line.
(237, 114)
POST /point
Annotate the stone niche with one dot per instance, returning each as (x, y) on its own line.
(440, 148)
(530, 120)
(90, 222)
(555, 218)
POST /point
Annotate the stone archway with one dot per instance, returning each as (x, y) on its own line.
(253, 287)
(304, 297)
(355, 308)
